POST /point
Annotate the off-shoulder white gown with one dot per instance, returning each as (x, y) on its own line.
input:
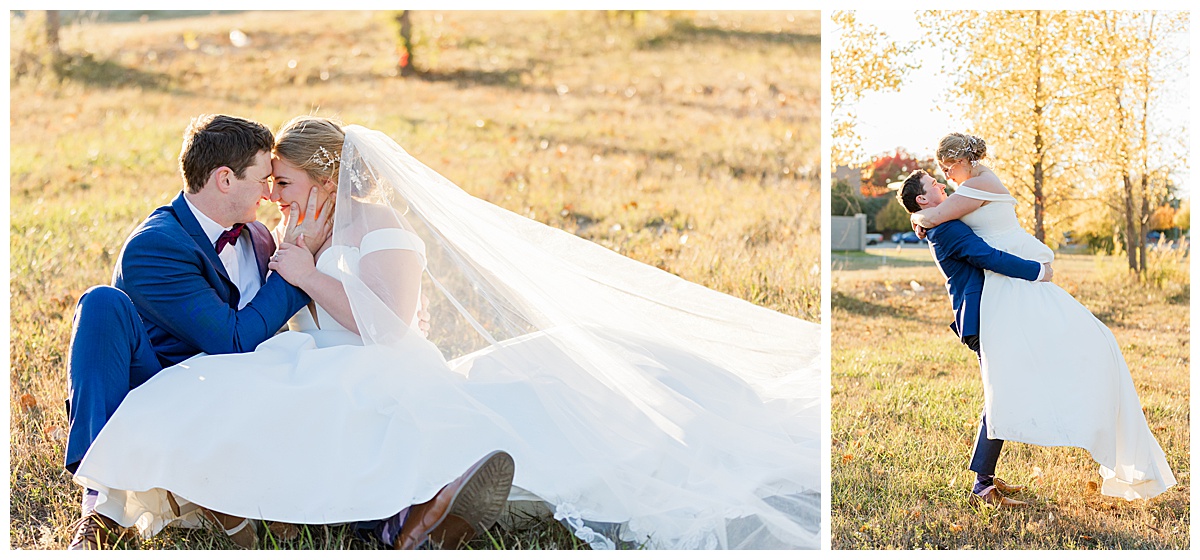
(312, 427)
(1053, 374)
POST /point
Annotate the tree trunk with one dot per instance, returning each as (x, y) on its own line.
(56, 58)
(1131, 231)
(1039, 200)
(1039, 148)
(1145, 225)
(405, 47)
(1144, 218)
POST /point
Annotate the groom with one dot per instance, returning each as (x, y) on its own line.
(962, 257)
(193, 278)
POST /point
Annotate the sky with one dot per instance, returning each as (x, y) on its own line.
(881, 126)
(924, 97)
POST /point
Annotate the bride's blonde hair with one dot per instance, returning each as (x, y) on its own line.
(313, 144)
(957, 145)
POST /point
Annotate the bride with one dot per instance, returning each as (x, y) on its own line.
(1053, 374)
(641, 409)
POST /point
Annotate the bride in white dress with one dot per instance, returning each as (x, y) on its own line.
(642, 409)
(1053, 374)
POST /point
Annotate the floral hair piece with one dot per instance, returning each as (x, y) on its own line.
(323, 158)
(970, 145)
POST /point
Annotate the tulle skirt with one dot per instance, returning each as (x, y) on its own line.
(684, 456)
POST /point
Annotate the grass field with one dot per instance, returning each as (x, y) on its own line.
(907, 396)
(689, 142)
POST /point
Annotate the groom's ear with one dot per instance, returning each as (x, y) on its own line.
(224, 176)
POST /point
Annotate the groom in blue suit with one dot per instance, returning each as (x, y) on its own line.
(962, 257)
(191, 278)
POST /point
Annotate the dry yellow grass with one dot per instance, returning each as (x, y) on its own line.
(690, 143)
(907, 396)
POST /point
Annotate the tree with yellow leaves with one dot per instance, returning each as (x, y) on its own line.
(1137, 58)
(1019, 73)
(864, 59)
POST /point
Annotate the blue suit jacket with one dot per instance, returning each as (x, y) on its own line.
(184, 296)
(962, 257)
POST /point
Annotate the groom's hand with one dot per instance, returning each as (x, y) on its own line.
(423, 316)
(1047, 274)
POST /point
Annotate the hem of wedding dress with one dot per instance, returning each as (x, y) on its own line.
(1110, 484)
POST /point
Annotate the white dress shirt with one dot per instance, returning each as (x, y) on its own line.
(236, 258)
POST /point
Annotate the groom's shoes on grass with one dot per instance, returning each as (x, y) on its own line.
(95, 532)
(1006, 487)
(462, 509)
(992, 496)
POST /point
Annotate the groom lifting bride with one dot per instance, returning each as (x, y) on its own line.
(1053, 374)
(962, 257)
(193, 278)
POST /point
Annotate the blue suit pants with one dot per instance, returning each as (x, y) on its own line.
(110, 355)
(987, 451)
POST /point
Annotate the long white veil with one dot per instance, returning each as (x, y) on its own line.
(693, 416)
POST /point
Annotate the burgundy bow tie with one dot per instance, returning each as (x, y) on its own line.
(229, 237)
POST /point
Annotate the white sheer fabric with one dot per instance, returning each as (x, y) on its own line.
(642, 409)
(1052, 373)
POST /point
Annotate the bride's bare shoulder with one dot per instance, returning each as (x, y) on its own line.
(987, 182)
(368, 217)
(378, 216)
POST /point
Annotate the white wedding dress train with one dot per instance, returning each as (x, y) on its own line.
(313, 427)
(1053, 374)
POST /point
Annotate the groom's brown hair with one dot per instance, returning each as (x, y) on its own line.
(911, 190)
(214, 141)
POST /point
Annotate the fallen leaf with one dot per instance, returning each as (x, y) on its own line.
(1092, 486)
(54, 433)
(956, 528)
(28, 402)
(847, 458)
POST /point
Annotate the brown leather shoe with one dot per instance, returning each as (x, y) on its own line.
(283, 531)
(95, 532)
(462, 509)
(243, 532)
(992, 496)
(1006, 487)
